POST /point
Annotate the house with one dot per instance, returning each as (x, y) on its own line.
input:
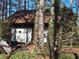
(22, 25)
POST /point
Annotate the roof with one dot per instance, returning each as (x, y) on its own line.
(24, 16)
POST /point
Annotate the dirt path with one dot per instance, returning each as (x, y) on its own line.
(70, 50)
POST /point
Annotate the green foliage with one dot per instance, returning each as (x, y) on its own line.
(2, 56)
(4, 29)
(20, 55)
(50, 30)
(66, 56)
(23, 55)
(43, 53)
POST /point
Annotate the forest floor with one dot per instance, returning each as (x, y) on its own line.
(26, 52)
(29, 52)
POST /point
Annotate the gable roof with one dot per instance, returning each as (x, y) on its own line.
(24, 16)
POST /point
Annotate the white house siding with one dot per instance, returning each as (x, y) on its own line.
(24, 35)
(29, 35)
(12, 34)
(45, 35)
(21, 35)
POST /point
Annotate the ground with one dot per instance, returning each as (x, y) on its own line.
(29, 52)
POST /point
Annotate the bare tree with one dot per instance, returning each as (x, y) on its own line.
(10, 7)
(19, 4)
(24, 4)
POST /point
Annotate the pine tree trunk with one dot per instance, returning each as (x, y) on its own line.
(41, 23)
(35, 35)
(51, 31)
(50, 36)
(56, 29)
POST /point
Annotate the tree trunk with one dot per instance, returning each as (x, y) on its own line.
(41, 23)
(50, 31)
(24, 4)
(56, 29)
(19, 4)
(10, 7)
(50, 37)
(35, 35)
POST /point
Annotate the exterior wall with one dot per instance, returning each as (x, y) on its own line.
(45, 35)
(21, 35)
(13, 34)
(24, 35)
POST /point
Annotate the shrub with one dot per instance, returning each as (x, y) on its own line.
(23, 55)
(66, 56)
(3, 56)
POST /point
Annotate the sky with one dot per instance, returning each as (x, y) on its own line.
(67, 4)
(30, 5)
